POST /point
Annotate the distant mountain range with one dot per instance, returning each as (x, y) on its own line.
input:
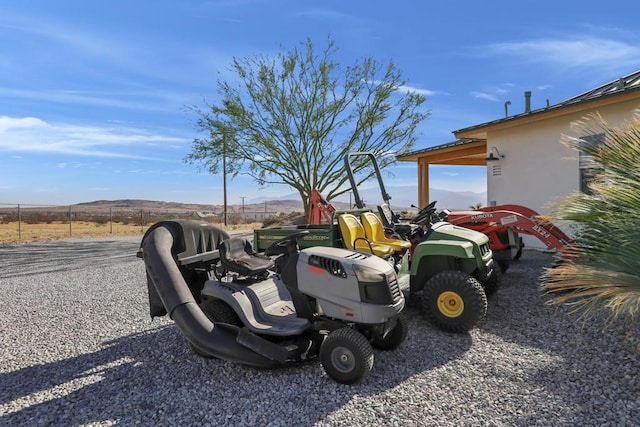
(402, 199)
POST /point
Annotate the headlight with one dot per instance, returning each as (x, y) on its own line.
(373, 285)
(368, 275)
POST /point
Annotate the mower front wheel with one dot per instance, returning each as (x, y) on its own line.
(346, 356)
(395, 337)
(454, 301)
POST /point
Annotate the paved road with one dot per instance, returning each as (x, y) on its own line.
(65, 255)
(70, 254)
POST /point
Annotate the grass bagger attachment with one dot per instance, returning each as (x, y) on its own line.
(273, 309)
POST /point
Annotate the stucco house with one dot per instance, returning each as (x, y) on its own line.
(525, 160)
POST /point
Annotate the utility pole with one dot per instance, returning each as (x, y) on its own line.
(224, 178)
(243, 217)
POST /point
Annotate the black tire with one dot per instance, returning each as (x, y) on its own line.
(219, 311)
(396, 337)
(518, 254)
(494, 282)
(346, 356)
(454, 301)
(504, 265)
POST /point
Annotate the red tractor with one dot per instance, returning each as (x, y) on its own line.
(503, 224)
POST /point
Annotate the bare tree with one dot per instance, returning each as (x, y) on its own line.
(291, 119)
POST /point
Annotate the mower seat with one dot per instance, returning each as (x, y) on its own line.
(374, 230)
(238, 256)
(354, 237)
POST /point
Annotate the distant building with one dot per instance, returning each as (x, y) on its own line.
(526, 162)
(256, 216)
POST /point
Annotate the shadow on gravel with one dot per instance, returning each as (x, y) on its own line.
(153, 378)
(591, 365)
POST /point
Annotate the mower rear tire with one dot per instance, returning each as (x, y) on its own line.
(395, 337)
(346, 356)
(454, 301)
(217, 311)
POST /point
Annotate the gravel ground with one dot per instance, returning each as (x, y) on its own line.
(77, 347)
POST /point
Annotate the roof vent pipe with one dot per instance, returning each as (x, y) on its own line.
(506, 108)
(527, 101)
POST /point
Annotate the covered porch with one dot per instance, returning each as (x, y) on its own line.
(462, 152)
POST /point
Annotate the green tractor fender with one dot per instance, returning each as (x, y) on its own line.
(433, 256)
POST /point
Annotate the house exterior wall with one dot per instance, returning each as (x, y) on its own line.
(537, 169)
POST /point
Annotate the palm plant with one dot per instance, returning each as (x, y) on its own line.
(601, 271)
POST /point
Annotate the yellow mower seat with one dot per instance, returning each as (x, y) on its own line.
(354, 237)
(374, 230)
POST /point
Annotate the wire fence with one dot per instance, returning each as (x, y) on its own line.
(25, 222)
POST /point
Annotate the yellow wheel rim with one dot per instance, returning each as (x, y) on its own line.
(450, 304)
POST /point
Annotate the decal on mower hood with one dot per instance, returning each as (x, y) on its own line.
(314, 269)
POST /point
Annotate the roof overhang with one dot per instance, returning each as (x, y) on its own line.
(468, 152)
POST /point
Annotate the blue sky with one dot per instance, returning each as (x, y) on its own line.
(93, 93)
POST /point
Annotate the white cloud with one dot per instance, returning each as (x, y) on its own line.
(484, 95)
(132, 59)
(572, 52)
(33, 135)
(154, 101)
(47, 190)
(407, 89)
(449, 173)
(329, 15)
(494, 93)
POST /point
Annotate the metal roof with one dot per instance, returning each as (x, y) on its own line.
(630, 82)
(624, 84)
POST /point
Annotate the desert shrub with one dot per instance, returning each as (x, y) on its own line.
(599, 271)
(98, 219)
(272, 220)
(6, 219)
(293, 218)
(40, 218)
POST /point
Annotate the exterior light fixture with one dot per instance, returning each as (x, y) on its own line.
(491, 157)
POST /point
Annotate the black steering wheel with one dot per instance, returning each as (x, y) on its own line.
(425, 214)
(286, 245)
